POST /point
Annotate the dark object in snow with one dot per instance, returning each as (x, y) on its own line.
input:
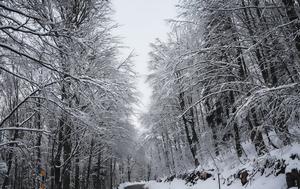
(197, 175)
(295, 156)
(204, 175)
(243, 175)
(170, 179)
(293, 178)
(184, 176)
(273, 167)
(136, 186)
(279, 167)
(191, 177)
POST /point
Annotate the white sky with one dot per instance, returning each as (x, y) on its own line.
(141, 22)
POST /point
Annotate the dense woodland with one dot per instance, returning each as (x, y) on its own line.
(65, 98)
(227, 76)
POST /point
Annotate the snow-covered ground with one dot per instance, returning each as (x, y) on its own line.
(271, 182)
(262, 172)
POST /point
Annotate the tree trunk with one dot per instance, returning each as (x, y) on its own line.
(256, 135)
(15, 134)
(238, 145)
(173, 167)
(52, 165)
(293, 17)
(282, 129)
(57, 161)
(89, 164)
(166, 152)
(99, 170)
(192, 140)
(16, 178)
(111, 173)
(77, 181)
(212, 125)
(38, 141)
(67, 155)
(249, 23)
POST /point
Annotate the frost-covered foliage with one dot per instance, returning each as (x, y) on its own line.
(228, 74)
(65, 99)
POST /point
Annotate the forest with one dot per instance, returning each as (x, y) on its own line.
(65, 99)
(226, 79)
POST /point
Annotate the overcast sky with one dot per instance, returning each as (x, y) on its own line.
(141, 22)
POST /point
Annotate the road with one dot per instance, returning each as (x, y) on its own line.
(136, 186)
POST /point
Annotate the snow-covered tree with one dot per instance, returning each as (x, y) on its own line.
(228, 73)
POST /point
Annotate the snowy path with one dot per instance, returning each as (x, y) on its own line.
(136, 186)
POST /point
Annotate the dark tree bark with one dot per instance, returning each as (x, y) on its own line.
(192, 139)
(111, 175)
(66, 179)
(52, 168)
(89, 164)
(293, 17)
(15, 134)
(38, 123)
(255, 134)
(213, 125)
(57, 161)
(99, 177)
(166, 151)
(238, 145)
(282, 129)
(16, 177)
(128, 169)
(77, 173)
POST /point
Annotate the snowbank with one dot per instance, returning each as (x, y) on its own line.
(271, 182)
(266, 172)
